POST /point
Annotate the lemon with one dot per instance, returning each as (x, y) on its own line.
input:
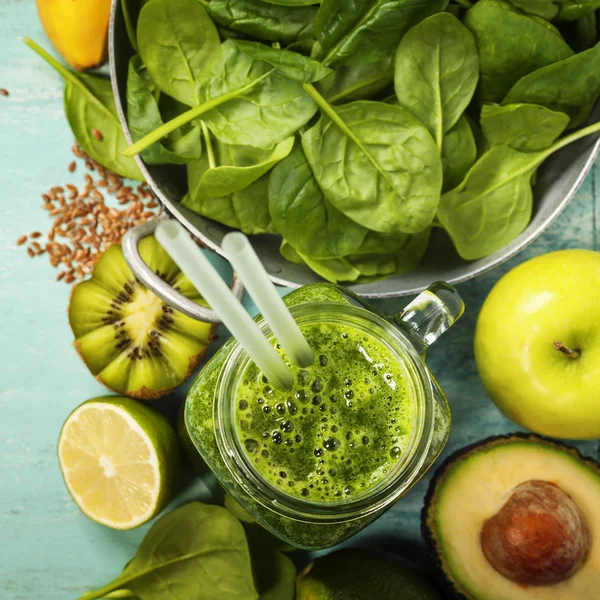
(119, 459)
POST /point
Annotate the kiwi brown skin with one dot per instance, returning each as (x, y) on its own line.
(150, 345)
(451, 587)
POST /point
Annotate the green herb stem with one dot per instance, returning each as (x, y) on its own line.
(210, 153)
(65, 73)
(188, 116)
(332, 114)
(569, 139)
(342, 94)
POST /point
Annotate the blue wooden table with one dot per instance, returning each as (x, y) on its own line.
(48, 549)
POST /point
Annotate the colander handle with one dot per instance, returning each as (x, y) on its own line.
(154, 283)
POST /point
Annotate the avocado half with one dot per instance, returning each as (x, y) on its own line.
(477, 484)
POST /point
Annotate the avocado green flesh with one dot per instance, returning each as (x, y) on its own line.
(355, 574)
(473, 485)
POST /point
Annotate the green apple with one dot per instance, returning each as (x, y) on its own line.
(537, 344)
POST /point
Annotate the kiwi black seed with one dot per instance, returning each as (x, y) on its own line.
(129, 338)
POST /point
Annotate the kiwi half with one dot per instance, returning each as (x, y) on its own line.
(132, 341)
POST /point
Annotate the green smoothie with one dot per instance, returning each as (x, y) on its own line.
(344, 425)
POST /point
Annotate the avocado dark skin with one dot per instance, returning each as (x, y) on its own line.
(451, 588)
(358, 574)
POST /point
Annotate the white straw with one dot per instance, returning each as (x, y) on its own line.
(251, 271)
(191, 260)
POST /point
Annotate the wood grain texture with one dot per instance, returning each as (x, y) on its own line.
(49, 549)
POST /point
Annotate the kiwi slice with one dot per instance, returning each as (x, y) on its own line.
(129, 338)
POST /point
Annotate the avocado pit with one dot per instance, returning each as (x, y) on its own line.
(539, 537)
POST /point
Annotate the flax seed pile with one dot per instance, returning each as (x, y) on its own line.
(83, 224)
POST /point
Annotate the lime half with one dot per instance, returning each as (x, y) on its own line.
(119, 459)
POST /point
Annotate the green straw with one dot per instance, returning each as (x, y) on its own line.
(191, 260)
(251, 271)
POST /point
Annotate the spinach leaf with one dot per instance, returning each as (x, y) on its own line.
(301, 213)
(246, 210)
(291, 64)
(233, 168)
(196, 551)
(186, 140)
(366, 31)
(511, 45)
(143, 116)
(131, 11)
(524, 127)
(293, 2)
(178, 43)
(375, 163)
(89, 104)
(575, 9)
(571, 86)
(261, 108)
(245, 102)
(289, 253)
(274, 572)
(493, 203)
(265, 21)
(437, 68)
(364, 266)
(459, 152)
(545, 9)
(360, 82)
(582, 33)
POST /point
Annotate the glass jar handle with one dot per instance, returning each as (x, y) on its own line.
(430, 314)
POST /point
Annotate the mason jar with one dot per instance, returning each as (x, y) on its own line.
(209, 415)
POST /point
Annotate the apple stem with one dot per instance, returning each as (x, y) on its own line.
(567, 351)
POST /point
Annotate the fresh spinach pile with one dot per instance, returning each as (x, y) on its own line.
(353, 128)
(203, 552)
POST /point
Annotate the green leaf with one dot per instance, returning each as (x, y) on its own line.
(301, 213)
(265, 21)
(360, 82)
(493, 203)
(380, 256)
(178, 43)
(366, 31)
(525, 127)
(195, 552)
(89, 104)
(288, 252)
(131, 11)
(245, 102)
(511, 45)
(546, 9)
(571, 86)
(293, 2)
(459, 152)
(375, 163)
(274, 572)
(233, 168)
(437, 68)
(290, 64)
(582, 33)
(143, 116)
(263, 106)
(573, 9)
(246, 210)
